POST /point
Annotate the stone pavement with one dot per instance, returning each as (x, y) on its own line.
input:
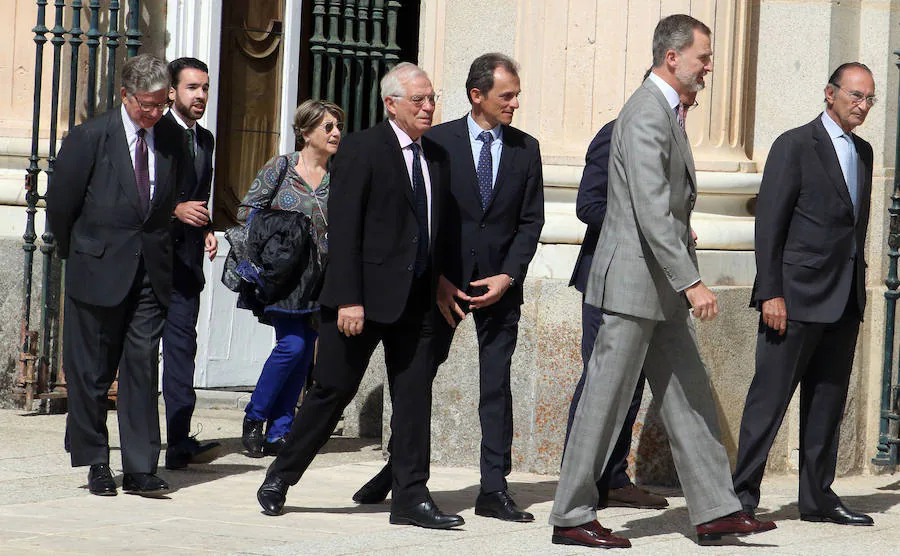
(45, 508)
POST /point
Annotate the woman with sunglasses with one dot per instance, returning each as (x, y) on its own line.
(290, 190)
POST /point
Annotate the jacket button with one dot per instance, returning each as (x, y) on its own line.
(415, 239)
(472, 252)
(481, 226)
(409, 268)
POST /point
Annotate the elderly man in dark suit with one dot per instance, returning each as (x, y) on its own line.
(109, 206)
(193, 236)
(385, 212)
(492, 224)
(645, 277)
(810, 288)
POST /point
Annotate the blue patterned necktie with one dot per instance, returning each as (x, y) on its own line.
(418, 179)
(485, 169)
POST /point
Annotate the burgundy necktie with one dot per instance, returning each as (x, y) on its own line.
(142, 171)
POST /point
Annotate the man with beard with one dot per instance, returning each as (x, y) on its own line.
(644, 277)
(193, 235)
(810, 289)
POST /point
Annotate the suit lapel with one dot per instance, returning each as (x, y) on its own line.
(863, 178)
(434, 172)
(120, 157)
(164, 166)
(393, 145)
(680, 136)
(828, 157)
(507, 163)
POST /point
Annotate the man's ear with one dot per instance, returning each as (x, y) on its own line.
(171, 94)
(475, 95)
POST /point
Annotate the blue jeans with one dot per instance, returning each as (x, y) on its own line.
(275, 398)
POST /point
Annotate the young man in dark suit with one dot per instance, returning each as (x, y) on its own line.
(810, 289)
(384, 212)
(492, 225)
(109, 207)
(193, 236)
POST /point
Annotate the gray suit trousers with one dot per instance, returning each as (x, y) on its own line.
(668, 353)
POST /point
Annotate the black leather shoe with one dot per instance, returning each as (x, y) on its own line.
(501, 506)
(841, 515)
(144, 484)
(271, 495)
(425, 515)
(100, 480)
(377, 489)
(190, 451)
(274, 447)
(253, 437)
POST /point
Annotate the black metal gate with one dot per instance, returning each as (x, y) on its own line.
(40, 370)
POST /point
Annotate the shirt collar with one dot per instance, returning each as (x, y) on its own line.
(667, 90)
(405, 140)
(180, 120)
(132, 128)
(475, 129)
(831, 127)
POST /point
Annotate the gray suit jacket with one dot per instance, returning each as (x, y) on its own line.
(645, 256)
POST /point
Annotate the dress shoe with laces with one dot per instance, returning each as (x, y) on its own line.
(144, 484)
(377, 489)
(500, 505)
(273, 447)
(737, 524)
(427, 515)
(272, 495)
(188, 451)
(631, 496)
(100, 480)
(253, 437)
(841, 515)
(590, 534)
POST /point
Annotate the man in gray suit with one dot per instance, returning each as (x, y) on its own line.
(644, 277)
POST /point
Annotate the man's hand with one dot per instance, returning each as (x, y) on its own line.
(211, 244)
(193, 213)
(350, 319)
(446, 301)
(496, 286)
(702, 301)
(774, 314)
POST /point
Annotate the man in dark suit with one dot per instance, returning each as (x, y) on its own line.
(492, 224)
(614, 486)
(384, 210)
(109, 207)
(811, 222)
(193, 235)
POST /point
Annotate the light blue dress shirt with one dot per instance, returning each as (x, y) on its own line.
(496, 147)
(847, 156)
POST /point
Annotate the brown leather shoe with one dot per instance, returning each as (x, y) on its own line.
(631, 496)
(737, 524)
(589, 534)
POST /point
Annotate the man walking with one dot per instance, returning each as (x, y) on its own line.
(810, 289)
(644, 277)
(492, 224)
(380, 283)
(109, 207)
(193, 235)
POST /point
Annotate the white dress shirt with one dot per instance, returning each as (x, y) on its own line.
(405, 142)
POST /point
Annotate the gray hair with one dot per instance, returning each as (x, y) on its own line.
(393, 84)
(144, 73)
(675, 32)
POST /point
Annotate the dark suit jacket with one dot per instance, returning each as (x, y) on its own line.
(195, 186)
(93, 211)
(805, 226)
(590, 207)
(373, 231)
(503, 238)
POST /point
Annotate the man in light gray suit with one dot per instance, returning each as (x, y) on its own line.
(645, 278)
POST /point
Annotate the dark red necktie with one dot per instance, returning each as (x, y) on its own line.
(142, 171)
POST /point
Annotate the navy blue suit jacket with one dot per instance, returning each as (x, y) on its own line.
(591, 203)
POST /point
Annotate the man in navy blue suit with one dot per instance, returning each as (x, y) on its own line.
(590, 207)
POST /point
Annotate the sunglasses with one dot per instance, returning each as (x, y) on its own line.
(329, 126)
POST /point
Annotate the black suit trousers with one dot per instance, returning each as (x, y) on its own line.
(818, 357)
(97, 342)
(179, 352)
(339, 369)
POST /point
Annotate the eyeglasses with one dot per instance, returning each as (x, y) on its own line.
(145, 107)
(329, 126)
(419, 100)
(856, 97)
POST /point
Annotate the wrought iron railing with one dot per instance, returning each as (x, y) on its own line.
(348, 71)
(40, 373)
